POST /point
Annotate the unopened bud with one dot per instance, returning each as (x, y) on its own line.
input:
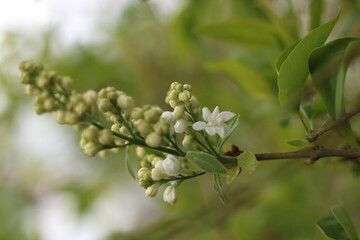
(153, 140)
(185, 96)
(152, 190)
(106, 137)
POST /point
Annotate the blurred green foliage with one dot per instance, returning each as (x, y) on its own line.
(227, 50)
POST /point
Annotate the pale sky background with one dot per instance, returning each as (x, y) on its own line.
(54, 216)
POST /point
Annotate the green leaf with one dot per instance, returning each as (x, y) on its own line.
(294, 71)
(247, 78)
(305, 116)
(328, 66)
(248, 162)
(345, 221)
(316, 8)
(256, 33)
(232, 174)
(128, 165)
(205, 162)
(284, 55)
(232, 127)
(297, 142)
(218, 188)
(331, 228)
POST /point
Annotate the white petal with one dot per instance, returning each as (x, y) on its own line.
(181, 125)
(206, 114)
(198, 126)
(220, 131)
(170, 116)
(172, 165)
(215, 113)
(226, 116)
(210, 130)
(170, 195)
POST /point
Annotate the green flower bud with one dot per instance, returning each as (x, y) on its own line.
(143, 172)
(153, 140)
(80, 108)
(60, 116)
(152, 190)
(91, 133)
(137, 113)
(144, 183)
(162, 127)
(67, 84)
(106, 137)
(187, 87)
(90, 97)
(123, 130)
(194, 102)
(115, 127)
(173, 95)
(152, 115)
(125, 102)
(185, 96)
(71, 118)
(179, 111)
(173, 103)
(43, 82)
(188, 141)
(140, 152)
(91, 149)
(105, 105)
(143, 127)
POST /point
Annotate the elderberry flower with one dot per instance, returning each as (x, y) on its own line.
(178, 126)
(215, 122)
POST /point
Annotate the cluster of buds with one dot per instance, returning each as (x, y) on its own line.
(156, 171)
(109, 120)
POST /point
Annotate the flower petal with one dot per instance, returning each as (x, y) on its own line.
(172, 165)
(206, 114)
(220, 131)
(181, 125)
(170, 116)
(198, 126)
(226, 116)
(215, 114)
(210, 130)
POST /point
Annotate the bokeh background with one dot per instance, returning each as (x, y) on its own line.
(49, 190)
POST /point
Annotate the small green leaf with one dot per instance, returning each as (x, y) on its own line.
(246, 77)
(294, 70)
(305, 116)
(255, 33)
(128, 165)
(331, 228)
(345, 221)
(218, 188)
(284, 55)
(248, 162)
(232, 174)
(232, 127)
(297, 142)
(328, 66)
(205, 162)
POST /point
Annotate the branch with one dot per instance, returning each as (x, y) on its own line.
(312, 154)
(312, 137)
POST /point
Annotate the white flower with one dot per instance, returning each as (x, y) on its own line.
(170, 195)
(215, 121)
(173, 167)
(179, 126)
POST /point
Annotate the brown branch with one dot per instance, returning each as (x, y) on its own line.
(310, 154)
(312, 137)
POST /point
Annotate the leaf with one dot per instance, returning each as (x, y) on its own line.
(328, 65)
(284, 55)
(297, 142)
(128, 165)
(257, 33)
(232, 174)
(316, 8)
(331, 228)
(294, 71)
(305, 116)
(248, 162)
(345, 221)
(206, 162)
(218, 188)
(247, 78)
(232, 127)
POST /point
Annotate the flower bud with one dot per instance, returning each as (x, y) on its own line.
(142, 172)
(115, 127)
(185, 96)
(91, 149)
(157, 174)
(173, 103)
(172, 165)
(179, 111)
(152, 190)
(123, 130)
(153, 140)
(105, 105)
(90, 97)
(67, 84)
(187, 141)
(125, 102)
(60, 116)
(140, 152)
(187, 87)
(137, 113)
(106, 137)
(152, 115)
(71, 118)
(143, 127)
(91, 133)
(194, 102)
(170, 195)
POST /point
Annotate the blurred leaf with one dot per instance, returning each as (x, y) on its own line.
(248, 79)
(128, 165)
(297, 142)
(251, 32)
(328, 66)
(206, 162)
(316, 8)
(232, 127)
(294, 71)
(318, 108)
(345, 221)
(332, 228)
(218, 188)
(247, 162)
(305, 116)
